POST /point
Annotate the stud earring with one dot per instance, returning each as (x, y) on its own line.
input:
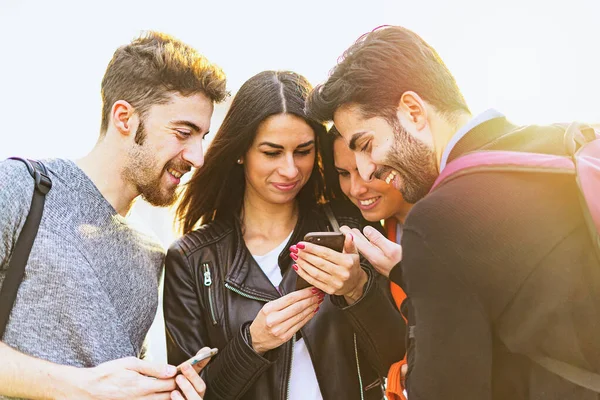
(239, 161)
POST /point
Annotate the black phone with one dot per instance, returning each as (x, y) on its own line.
(331, 240)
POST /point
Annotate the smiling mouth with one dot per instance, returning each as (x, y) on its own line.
(391, 176)
(285, 186)
(368, 202)
(176, 174)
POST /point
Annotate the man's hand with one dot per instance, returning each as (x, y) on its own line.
(383, 254)
(125, 378)
(191, 386)
(334, 273)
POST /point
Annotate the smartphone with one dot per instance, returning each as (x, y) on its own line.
(331, 240)
(198, 357)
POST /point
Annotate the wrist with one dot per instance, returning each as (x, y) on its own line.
(68, 382)
(255, 346)
(357, 292)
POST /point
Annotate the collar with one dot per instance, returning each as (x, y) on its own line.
(479, 119)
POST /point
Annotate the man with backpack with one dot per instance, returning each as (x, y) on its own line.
(89, 290)
(501, 259)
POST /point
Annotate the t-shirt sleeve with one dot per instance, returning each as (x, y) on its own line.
(16, 190)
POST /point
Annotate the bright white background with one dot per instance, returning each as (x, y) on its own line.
(536, 61)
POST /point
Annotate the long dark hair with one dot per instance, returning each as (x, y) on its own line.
(217, 189)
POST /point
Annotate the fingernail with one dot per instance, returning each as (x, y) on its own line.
(314, 290)
(170, 370)
(321, 295)
(294, 256)
(293, 249)
(317, 309)
(300, 246)
(295, 267)
(321, 299)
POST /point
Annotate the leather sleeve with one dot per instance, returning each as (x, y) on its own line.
(233, 370)
(379, 326)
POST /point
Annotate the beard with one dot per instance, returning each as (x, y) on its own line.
(415, 163)
(141, 170)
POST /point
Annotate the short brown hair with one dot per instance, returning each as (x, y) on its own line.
(378, 68)
(145, 71)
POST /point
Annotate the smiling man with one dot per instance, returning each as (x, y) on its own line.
(90, 290)
(499, 267)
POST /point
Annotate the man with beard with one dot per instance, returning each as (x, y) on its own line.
(499, 267)
(90, 290)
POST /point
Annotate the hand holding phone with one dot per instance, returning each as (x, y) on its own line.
(331, 240)
(200, 356)
(336, 272)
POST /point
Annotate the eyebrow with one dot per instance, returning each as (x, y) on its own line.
(278, 146)
(354, 139)
(189, 124)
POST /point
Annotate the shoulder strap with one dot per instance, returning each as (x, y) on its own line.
(331, 217)
(20, 254)
(509, 161)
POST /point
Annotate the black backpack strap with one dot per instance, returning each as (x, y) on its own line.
(20, 254)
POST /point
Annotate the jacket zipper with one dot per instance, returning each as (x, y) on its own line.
(208, 284)
(228, 286)
(360, 383)
(290, 374)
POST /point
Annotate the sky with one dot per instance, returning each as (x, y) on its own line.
(536, 61)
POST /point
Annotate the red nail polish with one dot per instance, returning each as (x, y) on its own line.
(321, 295)
(321, 300)
(295, 267)
(300, 246)
(294, 256)
(314, 290)
(317, 309)
(293, 249)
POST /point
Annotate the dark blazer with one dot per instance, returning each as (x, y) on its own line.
(214, 289)
(497, 266)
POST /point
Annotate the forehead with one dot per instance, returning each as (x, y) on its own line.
(196, 108)
(284, 129)
(342, 155)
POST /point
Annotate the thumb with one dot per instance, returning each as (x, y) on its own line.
(391, 250)
(153, 370)
(349, 246)
(376, 238)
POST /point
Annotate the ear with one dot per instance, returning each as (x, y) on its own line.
(124, 117)
(413, 107)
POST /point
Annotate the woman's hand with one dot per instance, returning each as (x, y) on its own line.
(334, 273)
(280, 319)
(383, 254)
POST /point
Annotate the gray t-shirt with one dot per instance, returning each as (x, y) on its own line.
(90, 290)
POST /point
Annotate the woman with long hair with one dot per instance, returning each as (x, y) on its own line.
(230, 281)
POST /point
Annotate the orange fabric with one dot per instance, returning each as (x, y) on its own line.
(395, 383)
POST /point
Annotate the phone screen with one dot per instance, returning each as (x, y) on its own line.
(198, 357)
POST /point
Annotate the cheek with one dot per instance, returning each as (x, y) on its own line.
(345, 186)
(305, 165)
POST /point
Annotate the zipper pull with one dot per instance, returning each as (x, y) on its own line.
(207, 277)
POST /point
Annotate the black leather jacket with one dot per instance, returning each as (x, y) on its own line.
(214, 289)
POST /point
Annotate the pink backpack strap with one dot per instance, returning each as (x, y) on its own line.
(497, 160)
(587, 160)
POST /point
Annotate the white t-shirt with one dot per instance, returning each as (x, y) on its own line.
(303, 382)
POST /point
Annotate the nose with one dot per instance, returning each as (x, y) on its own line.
(357, 186)
(194, 152)
(366, 168)
(289, 169)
